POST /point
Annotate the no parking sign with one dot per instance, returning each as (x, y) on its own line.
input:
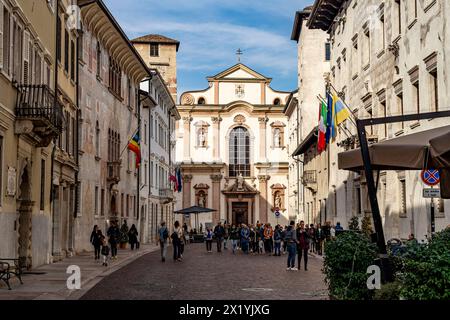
(431, 177)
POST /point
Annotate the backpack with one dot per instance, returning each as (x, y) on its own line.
(105, 250)
(174, 236)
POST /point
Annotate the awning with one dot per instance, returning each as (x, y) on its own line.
(422, 150)
(307, 142)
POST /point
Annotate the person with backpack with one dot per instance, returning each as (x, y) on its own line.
(177, 236)
(113, 234)
(291, 240)
(277, 238)
(234, 235)
(163, 235)
(209, 239)
(245, 237)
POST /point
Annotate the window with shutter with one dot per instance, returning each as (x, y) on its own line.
(26, 58)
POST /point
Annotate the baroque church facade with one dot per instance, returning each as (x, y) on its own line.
(232, 149)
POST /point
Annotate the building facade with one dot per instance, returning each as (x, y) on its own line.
(28, 127)
(388, 58)
(159, 122)
(160, 52)
(110, 75)
(312, 177)
(231, 146)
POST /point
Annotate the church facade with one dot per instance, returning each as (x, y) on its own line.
(231, 147)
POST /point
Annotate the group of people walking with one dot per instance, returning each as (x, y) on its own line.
(105, 245)
(260, 239)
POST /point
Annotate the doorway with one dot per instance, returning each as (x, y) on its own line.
(240, 212)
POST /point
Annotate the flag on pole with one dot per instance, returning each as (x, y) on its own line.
(341, 112)
(135, 146)
(329, 119)
(321, 144)
(173, 179)
(179, 180)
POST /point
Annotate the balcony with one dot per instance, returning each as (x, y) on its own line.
(114, 172)
(166, 195)
(38, 114)
(309, 177)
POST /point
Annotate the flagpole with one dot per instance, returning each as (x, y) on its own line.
(345, 130)
(128, 141)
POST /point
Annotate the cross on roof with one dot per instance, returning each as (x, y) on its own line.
(239, 53)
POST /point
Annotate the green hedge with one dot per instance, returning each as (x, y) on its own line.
(345, 266)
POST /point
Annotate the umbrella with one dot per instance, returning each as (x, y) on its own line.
(422, 150)
(195, 210)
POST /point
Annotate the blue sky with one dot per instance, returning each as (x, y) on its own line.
(210, 32)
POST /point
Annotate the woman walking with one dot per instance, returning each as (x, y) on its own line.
(177, 237)
(105, 249)
(302, 245)
(96, 242)
(208, 239)
(245, 236)
(132, 237)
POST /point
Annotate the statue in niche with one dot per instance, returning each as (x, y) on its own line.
(278, 201)
(202, 200)
(202, 138)
(240, 182)
(277, 138)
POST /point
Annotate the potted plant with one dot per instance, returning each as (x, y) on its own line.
(124, 235)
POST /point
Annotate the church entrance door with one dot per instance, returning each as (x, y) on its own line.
(240, 212)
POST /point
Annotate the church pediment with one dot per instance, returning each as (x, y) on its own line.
(245, 188)
(239, 72)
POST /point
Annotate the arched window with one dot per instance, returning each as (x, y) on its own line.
(201, 101)
(277, 102)
(239, 152)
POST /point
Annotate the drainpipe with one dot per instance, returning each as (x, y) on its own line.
(55, 102)
(77, 126)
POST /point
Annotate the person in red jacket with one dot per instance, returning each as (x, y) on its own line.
(302, 245)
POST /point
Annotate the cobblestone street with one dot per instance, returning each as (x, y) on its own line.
(203, 276)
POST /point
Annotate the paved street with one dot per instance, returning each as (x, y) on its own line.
(212, 276)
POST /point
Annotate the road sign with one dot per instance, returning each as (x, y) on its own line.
(431, 177)
(277, 214)
(431, 193)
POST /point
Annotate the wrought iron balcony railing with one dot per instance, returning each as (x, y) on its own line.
(309, 177)
(37, 103)
(166, 194)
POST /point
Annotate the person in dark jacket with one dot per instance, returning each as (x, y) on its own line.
(133, 236)
(219, 233)
(234, 235)
(277, 239)
(113, 235)
(302, 245)
(291, 240)
(245, 238)
(96, 242)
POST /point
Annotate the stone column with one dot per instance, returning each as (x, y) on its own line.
(187, 138)
(187, 179)
(263, 198)
(216, 179)
(263, 138)
(216, 137)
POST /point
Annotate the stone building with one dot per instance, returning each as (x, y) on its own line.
(160, 52)
(312, 177)
(28, 127)
(231, 146)
(388, 58)
(159, 116)
(110, 74)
